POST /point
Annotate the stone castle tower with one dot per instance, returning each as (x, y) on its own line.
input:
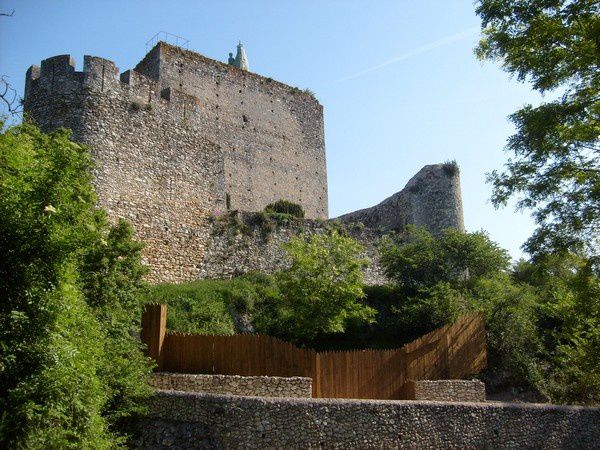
(182, 137)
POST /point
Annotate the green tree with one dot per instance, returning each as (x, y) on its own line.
(419, 260)
(554, 170)
(71, 373)
(440, 278)
(569, 324)
(322, 289)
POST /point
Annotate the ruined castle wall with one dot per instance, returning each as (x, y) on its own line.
(152, 166)
(250, 243)
(431, 199)
(271, 134)
(183, 138)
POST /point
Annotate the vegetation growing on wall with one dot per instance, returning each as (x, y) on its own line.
(285, 207)
(71, 373)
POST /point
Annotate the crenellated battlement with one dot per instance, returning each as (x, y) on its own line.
(58, 74)
(57, 65)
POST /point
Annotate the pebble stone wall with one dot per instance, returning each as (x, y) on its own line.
(244, 243)
(293, 387)
(192, 420)
(447, 390)
(150, 168)
(182, 136)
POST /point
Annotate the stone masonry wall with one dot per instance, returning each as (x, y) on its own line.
(271, 134)
(191, 420)
(447, 390)
(183, 138)
(293, 387)
(151, 169)
(246, 242)
(431, 199)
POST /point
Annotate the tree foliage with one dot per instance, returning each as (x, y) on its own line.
(542, 316)
(440, 278)
(419, 260)
(322, 289)
(569, 321)
(555, 167)
(71, 373)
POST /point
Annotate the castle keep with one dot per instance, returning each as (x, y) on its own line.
(182, 137)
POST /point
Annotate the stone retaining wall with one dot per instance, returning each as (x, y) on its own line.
(234, 384)
(447, 390)
(189, 420)
(251, 242)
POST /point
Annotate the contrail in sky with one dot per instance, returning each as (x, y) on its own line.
(416, 51)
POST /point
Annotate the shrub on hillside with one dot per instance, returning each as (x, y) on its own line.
(212, 306)
(323, 288)
(440, 278)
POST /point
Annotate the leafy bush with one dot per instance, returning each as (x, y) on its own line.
(71, 374)
(285, 207)
(542, 316)
(568, 323)
(420, 260)
(323, 288)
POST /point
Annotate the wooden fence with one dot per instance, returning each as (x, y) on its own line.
(451, 352)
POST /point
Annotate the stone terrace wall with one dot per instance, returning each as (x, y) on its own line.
(188, 420)
(293, 387)
(272, 135)
(447, 390)
(246, 242)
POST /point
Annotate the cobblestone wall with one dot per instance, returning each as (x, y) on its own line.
(234, 385)
(447, 390)
(247, 242)
(150, 169)
(187, 420)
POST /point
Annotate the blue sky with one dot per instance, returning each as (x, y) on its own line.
(398, 80)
